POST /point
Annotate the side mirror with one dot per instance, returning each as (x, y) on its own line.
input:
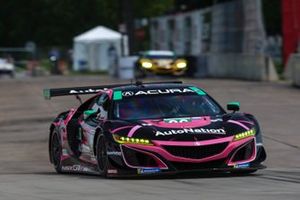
(233, 106)
(89, 113)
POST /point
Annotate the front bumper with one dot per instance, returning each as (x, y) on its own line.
(158, 159)
(172, 69)
(6, 71)
(154, 172)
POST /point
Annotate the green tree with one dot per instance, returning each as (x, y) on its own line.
(56, 22)
(272, 16)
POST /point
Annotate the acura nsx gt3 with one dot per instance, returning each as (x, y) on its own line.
(151, 129)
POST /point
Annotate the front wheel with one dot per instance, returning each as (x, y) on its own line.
(56, 152)
(101, 155)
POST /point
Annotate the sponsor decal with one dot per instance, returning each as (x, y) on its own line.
(198, 91)
(177, 120)
(117, 95)
(148, 170)
(65, 152)
(112, 171)
(158, 91)
(191, 131)
(114, 153)
(84, 91)
(244, 165)
(216, 120)
(76, 168)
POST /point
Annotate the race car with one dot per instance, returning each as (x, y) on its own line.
(7, 67)
(159, 62)
(150, 129)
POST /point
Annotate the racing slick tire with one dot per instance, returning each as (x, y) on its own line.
(101, 155)
(56, 152)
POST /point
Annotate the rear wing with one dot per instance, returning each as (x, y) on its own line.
(54, 92)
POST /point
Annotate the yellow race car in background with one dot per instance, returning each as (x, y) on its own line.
(159, 62)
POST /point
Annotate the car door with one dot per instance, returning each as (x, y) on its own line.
(74, 130)
(90, 120)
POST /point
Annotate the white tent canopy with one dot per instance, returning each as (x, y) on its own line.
(99, 33)
(97, 49)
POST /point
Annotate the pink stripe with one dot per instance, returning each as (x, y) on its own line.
(62, 158)
(195, 122)
(109, 92)
(247, 122)
(132, 131)
(121, 128)
(238, 123)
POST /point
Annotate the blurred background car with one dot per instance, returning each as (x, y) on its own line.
(7, 67)
(159, 62)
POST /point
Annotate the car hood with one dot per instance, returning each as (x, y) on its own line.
(183, 129)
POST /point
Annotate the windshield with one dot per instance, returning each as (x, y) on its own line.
(160, 57)
(166, 106)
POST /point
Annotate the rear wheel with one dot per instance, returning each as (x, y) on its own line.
(101, 155)
(56, 152)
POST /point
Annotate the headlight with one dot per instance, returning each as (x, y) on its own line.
(147, 65)
(130, 140)
(244, 135)
(181, 65)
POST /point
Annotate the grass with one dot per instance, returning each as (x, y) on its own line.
(279, 66)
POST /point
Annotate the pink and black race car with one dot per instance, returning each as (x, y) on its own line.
(152, 128)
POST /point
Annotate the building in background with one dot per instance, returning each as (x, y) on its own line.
(232, 26)
(224, 38)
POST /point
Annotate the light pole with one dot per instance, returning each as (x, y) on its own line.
(128, 21)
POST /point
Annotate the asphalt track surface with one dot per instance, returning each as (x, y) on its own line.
(25, 172)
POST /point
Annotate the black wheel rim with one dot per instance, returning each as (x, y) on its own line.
(56, 150)
(102, 155)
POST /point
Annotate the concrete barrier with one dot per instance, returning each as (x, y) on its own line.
(292, 71)
(126, 67)
(239, 66)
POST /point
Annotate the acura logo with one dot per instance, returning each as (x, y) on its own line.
(127, 94)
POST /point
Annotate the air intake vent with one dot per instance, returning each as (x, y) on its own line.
(196, 152)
